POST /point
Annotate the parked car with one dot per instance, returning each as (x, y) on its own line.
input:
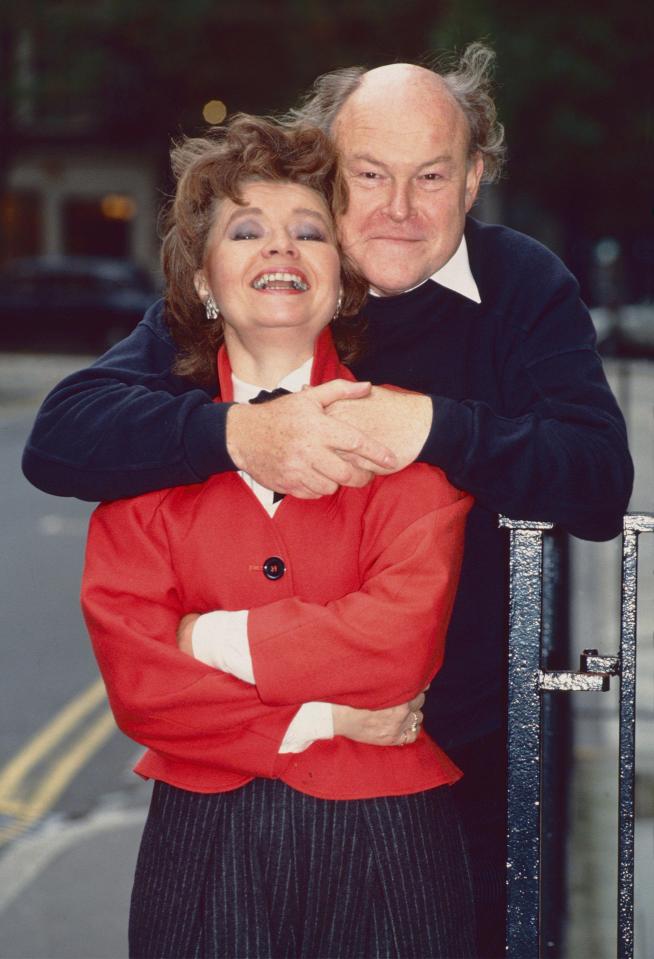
(71, 302)
(627, 331)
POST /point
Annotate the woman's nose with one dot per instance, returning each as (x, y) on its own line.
(282, 245)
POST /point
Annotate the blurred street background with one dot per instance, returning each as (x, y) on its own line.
(90, 96)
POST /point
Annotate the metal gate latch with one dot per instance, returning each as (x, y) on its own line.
(594, 674)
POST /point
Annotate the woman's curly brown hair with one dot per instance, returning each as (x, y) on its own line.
(208, 169)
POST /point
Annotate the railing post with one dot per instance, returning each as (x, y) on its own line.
(633, 525)
(556, 715)
(527, 681)
(523, 783)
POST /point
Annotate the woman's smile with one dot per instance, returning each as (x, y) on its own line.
(281, 281)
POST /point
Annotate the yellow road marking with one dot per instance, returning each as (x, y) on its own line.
(11, 807)
(51, 734)
(52, 785)
(56, 778)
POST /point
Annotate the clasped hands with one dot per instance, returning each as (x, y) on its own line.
(393, 726)
(341, 433)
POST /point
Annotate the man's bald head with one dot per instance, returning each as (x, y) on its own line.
(396, 95)
(395, 81)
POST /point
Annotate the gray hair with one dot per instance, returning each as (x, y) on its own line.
(468, 78)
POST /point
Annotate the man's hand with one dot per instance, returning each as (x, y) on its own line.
(400, 420)
(185, 632)
(395, 726)
(292, 446)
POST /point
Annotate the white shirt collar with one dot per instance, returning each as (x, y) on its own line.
(293, 382)
(456, 275)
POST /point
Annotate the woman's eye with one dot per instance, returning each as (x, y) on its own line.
(245, 231)
(310, 234)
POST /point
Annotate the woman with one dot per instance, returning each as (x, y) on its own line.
(276, 827)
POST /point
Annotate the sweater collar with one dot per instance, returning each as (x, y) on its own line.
(325, 366)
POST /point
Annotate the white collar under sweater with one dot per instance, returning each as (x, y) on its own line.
(456, 275)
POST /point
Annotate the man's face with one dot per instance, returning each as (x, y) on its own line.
(404, 150)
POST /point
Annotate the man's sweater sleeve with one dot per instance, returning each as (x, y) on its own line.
(560, 453)
(127, 424)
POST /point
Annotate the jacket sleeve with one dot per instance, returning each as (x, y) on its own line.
(162, 697)
(127, 425)
(381, 644)
(560, 451)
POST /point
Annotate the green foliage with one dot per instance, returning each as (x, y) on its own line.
(574, 92)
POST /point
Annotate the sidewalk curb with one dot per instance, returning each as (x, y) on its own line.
(30, 856)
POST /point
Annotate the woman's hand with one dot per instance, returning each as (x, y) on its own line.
(185, 632)
(394, 726)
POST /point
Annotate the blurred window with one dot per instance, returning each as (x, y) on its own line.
(89, 232)
(20, 224)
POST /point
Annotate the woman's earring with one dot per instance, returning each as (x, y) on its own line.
(211, 308)
(339, 303)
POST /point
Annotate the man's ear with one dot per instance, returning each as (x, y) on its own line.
(473, 179)
(201, 285)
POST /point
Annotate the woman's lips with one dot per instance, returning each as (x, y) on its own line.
(287, 281)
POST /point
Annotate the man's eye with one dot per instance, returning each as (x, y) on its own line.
(431, 176)
(370, 175)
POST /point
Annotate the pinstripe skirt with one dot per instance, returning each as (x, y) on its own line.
(266, 871)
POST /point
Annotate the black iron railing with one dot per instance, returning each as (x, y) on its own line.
(530, 637)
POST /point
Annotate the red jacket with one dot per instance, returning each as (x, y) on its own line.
(359, 617)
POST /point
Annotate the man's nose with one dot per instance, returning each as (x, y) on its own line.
(400, 204)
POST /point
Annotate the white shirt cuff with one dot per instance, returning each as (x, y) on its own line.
(220, 639)
(311, 722)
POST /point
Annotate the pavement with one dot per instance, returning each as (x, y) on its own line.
(64, 889)
(595, 592)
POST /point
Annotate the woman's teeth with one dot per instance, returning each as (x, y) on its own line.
(280, 281)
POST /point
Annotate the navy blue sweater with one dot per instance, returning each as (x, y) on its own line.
(523, 419)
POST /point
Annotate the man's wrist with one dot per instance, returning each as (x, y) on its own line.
(205, 440)
(425, 416)
(422, 456)
(236, 421)
(449, 438)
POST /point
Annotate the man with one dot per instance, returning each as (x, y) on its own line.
(483, 324)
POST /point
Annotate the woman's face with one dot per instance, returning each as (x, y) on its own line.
(273, 262)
